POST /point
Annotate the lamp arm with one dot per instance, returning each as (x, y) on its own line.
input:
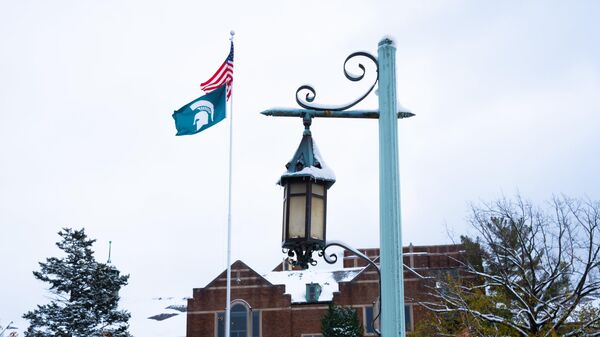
(332, 258)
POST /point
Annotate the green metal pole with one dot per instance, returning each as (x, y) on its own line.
(390, 228)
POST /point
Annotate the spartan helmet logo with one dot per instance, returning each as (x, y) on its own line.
(204, 113)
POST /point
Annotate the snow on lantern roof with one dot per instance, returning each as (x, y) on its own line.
(308, 162)
(295, 281)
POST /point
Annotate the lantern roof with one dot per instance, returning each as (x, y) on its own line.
(307, 162)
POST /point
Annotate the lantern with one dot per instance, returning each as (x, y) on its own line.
(305, 184)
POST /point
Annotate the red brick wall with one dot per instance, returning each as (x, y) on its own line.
(246, 284)
(281, 318)
(426, 261)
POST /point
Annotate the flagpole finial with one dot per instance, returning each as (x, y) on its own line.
(232, 33)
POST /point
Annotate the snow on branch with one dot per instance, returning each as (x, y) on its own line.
(530, 270)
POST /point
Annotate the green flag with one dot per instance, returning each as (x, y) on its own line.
(201, 113)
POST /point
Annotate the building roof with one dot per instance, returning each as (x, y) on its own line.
(295, 281)
(160, 316)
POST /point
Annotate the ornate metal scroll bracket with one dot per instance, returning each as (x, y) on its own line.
(311, 94)
(300, 256)
(332, 258)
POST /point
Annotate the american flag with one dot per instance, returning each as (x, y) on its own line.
(223, 75)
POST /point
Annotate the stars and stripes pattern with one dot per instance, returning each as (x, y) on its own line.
(224, 75)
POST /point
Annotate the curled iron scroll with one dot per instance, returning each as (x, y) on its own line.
(311, 94)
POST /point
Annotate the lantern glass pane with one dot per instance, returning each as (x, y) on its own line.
(318, 189)
(284, 218)
(297, 217)
(317, 218)
(297, 188)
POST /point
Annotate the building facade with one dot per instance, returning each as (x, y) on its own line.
(291, 303)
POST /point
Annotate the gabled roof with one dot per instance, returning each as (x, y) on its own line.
(237, 265)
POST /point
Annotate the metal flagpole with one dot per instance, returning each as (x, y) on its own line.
(228, 296)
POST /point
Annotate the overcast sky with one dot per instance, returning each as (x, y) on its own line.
(506, 97)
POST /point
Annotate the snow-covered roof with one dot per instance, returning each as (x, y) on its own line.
(308, 162)
(323, 173)
(158, 316)
(295, 281)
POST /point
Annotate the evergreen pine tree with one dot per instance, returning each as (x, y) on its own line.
(85, 294)
(340, 322)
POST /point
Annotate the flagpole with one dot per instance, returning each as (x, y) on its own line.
(228, 296)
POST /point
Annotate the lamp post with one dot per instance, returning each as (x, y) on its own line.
(391, 271)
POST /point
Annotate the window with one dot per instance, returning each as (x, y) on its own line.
(239, 321)
(243, 321)
(220, 324)
(313, 291)
(408, 317)
(368, 315)
(256, 324)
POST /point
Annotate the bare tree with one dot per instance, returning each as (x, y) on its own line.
(530, 271)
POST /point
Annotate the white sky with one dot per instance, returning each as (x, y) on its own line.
(506, 97)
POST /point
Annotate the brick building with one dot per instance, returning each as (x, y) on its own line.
(291, 303)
